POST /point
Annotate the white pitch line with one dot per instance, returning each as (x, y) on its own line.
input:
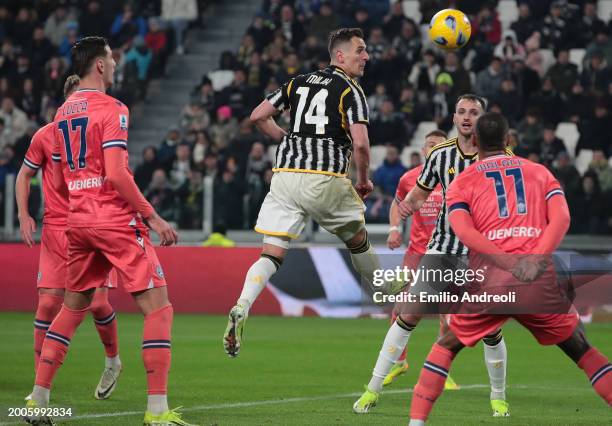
(241, 404)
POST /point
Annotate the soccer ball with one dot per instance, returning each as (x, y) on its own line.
(450, 29)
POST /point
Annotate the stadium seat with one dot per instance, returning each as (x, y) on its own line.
(221, 79)
(570, 135)
(604, 9)
(548, 59)
(423, 128)
(407, 152)
(507, 12)
(377, 156)
(576, 56)
(583, 160)
(411, 9)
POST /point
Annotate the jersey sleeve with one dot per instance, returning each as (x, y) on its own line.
(456, 198)
(35, 155)
(552, 186)
(429, 177)
(404, 186)
(280, 97)
(354, 105)
(115, 126)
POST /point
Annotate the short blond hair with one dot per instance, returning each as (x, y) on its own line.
(72, 82)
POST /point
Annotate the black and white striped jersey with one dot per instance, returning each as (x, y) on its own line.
(323, 105)
(444, 162)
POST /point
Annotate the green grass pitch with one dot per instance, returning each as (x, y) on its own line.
(299, 371)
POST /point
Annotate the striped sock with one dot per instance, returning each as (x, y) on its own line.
(431, 382)
(599, 371)
(56, 344)
(48, 307)
(156, 349)
(106, 322)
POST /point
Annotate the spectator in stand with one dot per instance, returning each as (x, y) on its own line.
(600, 45)
(488, 81)
(157, 42)
(580, 105)
(179, 13)
(126, 26)
(92, 21)
(528, 81)
(385, 178)
(181, 165)
(509, 50)
(39, 48)
(549, 101)
(142, 56)
(408, 45)
(72, 36)
(247, 47)
(310, 52)
(525, 25)
(588, 26)
(205, 95)
(510, 101)
(161, 196)
(388, 128)
(291, 68)
(601, 166)
(411, 109)
(531, 133)
(291, 28)
(144, 172)
(487, 23)
(324, 22)
(423, 74)
(443, 102)
(363, 21)
(229, 191)
(555, 28)
(211, 164)
(276, 52)
(24, 71)
(376, 46)
(262, 31)
(240, 146)
(55, 26)
(167, 150)
(238, 96)
(461, 82)
(596, 75)
(535, 58)
(429, 8)
(194, 117)
(30, 100)
(376, 99)
(551, 146)
(257, 73)
(563, 73)
(4, 135)
(15, 120)
(224, 130)
(590, 211)
(394, 21)
(23, 26)
(415, 160)
(191, 201)
(595, 132)
(566, 173)
(22, 144)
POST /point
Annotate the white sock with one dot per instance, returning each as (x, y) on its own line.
(365, 264)
(41, 395)
(255, 281)
(416, 422)
(393, 346)
(496, 360)
(114, 363)
(157, 404)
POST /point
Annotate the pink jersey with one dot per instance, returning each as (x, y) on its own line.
(506, 197)
(39, 156)
(85, 125)
(424, 220)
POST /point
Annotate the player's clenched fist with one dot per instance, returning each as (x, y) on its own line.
(405, 209)
(364, 189)
(167, 234)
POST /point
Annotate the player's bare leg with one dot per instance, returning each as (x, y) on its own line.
(258, 275)
(106, 325)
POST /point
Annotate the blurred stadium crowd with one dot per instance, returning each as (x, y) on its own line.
(548, 70)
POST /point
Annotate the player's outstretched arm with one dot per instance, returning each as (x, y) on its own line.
(395, 233)
(117, 173)
(413, 201)
(27, 225)
(262, 117)
(361, 151)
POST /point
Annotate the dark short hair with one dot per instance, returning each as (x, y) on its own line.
(72, 81)
(342, 35)
(491, 131)
(84, 53)
(474, 98)
(437, 132)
